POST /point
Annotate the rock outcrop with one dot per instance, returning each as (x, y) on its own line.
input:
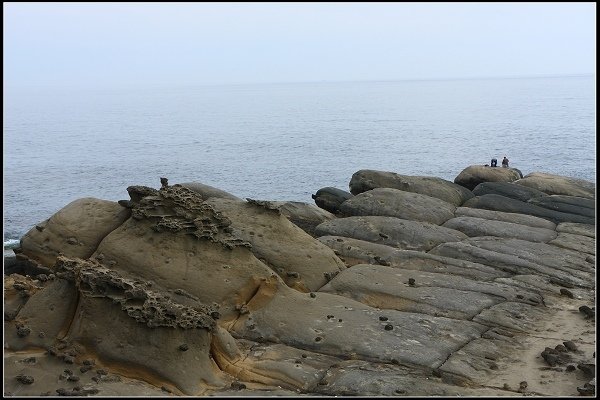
(412, 287)
(442, 189)
(473, 175)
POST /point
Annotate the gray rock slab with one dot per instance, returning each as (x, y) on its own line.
(472, 226)
(542, 253)
(331, 324)
(510, 262)
(479, 359)
(581, 243)
(400, 204)
(356, 251)
(516, 316)
(359, 378)
(391, 231)
(577, 229)
(558, 184)
(568, 204)
(442, 189)
(473, 175)
(508, 189)
(330, 198)
(500, 203)
(431, 293)
(515, 218)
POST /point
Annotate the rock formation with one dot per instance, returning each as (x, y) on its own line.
(409, 286)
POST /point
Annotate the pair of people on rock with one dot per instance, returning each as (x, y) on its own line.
(504, 162)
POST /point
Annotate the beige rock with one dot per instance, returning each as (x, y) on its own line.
(75, 230)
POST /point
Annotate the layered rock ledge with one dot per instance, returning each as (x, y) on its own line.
(401, 286)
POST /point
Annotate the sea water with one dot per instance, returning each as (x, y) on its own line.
(282, 141)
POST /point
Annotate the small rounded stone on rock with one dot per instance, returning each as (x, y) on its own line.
(389, 327)
(566, 292)
(25, 379)
(184, 347)
(382, 318)
(313, 295)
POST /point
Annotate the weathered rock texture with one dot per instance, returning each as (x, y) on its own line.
(188, 291)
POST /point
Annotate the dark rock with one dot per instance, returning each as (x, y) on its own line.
(587, 368)
(506, 204)
(566, 292)
(184, 347)
(587, 311)
(512, 190)
(365, 180)
(567, 204)
(330, 199)
(238, 385)
(25, 379)
(570, 345)
(389, 327)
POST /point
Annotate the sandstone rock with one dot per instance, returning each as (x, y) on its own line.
(416, 338)
(305, 216)
(391, 231)
(442, 189)
(508, 189)
(283, 246)
(400, 204)
(330, 198)
(557, 184)
(472, 226)
(472, 176)
(506, 204)
(75, 230)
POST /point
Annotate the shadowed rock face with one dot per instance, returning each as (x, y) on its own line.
(186, 293)
(400, 204)
(556, 184)
(442, 189)
(512, 190)
(472, 176)
(506, 204)
(330, 198)
(568, 204)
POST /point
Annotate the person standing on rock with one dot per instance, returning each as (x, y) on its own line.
(494, 162)
(505, 162)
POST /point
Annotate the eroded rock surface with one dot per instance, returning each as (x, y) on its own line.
(187, 293)
(557, 184)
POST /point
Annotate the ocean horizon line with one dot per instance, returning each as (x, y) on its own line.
(272, 83)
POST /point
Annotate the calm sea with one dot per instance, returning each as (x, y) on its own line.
(283, 141)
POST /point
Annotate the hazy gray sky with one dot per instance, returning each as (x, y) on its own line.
(111, 44)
